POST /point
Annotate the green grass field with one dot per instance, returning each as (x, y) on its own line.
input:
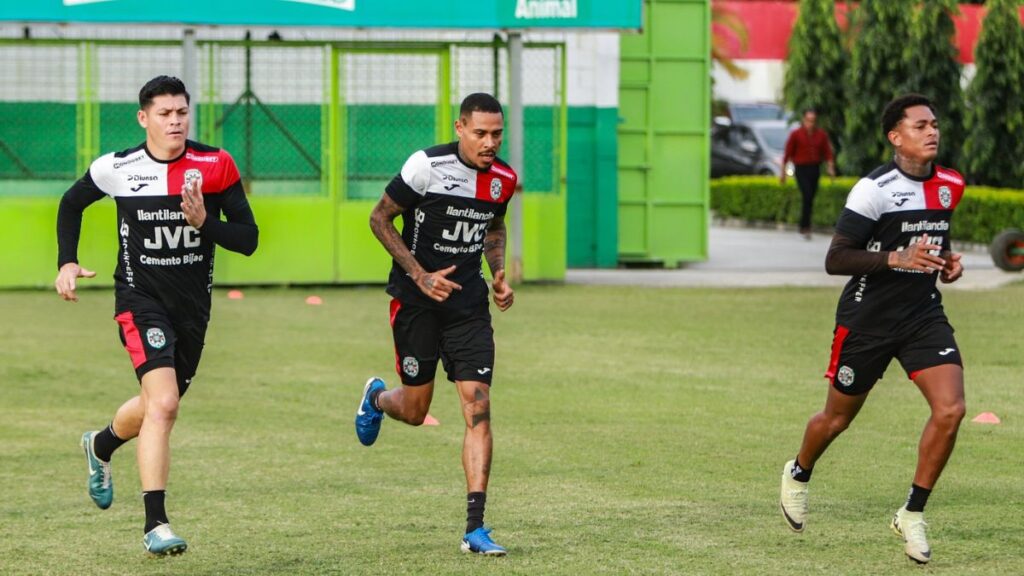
(637, 431)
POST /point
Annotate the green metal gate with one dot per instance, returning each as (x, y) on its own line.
(663, 137)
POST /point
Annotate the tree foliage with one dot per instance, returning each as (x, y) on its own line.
(935, 71)
(878, 70)
(815, 65)
(995, 100)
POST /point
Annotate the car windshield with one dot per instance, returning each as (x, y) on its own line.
(774, 136)
(743, 113)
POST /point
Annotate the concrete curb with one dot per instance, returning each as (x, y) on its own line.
(743, 257)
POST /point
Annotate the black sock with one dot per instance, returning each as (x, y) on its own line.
(155, 513)
(917, 499)
(104, 443)
(475, 502)
(800, 474)
(373, 399)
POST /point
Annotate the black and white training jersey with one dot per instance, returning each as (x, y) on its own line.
(160, 255)
(448, 207)
(886, 211)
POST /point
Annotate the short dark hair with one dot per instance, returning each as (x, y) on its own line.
(161, 86)
(897, 110)
(809, 110)
(479, 102)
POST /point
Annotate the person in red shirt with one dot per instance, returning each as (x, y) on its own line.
(807, 146)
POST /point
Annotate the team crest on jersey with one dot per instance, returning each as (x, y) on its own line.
(410, 366)
(156, 338)
(496, 188)
(194, 175)
(945, 196)
(846, 375)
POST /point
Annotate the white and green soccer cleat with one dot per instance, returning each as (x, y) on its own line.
(162, 541)
(101, 483)
(913, 529)
(793, 499)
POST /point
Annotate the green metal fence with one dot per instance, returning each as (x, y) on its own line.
(289, 112)
(316, 128)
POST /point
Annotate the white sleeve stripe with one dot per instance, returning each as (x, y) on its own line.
(864, 199)
(416, 172)
(102, 170)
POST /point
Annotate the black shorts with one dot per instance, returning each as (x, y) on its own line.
(153, 340)
(462, 339)
(859, 360)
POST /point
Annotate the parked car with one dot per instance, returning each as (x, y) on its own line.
(751, 147)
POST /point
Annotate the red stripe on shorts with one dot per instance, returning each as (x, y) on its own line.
(132, 339)
(396, 305)
(837, 348)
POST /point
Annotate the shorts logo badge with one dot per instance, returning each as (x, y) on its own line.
(156, 338)
(496, 188)
(194, 175)
(410, 366)
(945, 196)
(846, 376)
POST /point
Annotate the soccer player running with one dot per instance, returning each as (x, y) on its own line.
(893, 239)
(170, 194)
(452, 198)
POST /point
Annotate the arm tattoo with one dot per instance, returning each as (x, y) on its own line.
(494, 244)
(904, 258)
(382, 222)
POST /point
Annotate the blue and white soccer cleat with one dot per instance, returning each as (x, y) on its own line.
(479, 542)
(162, 541)
(101, 483)
(368, 418)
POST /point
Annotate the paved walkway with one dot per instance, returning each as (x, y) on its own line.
(745, 257)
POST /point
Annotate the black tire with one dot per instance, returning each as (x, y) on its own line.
(1007, 250)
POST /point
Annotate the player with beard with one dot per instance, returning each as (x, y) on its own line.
(452, 199)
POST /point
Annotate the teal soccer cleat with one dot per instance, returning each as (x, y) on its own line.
(101, 486)
(162, 541)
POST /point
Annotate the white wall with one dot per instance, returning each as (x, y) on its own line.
(290, 75)
(763, 83)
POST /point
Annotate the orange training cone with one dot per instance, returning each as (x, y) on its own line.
(986, 418)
